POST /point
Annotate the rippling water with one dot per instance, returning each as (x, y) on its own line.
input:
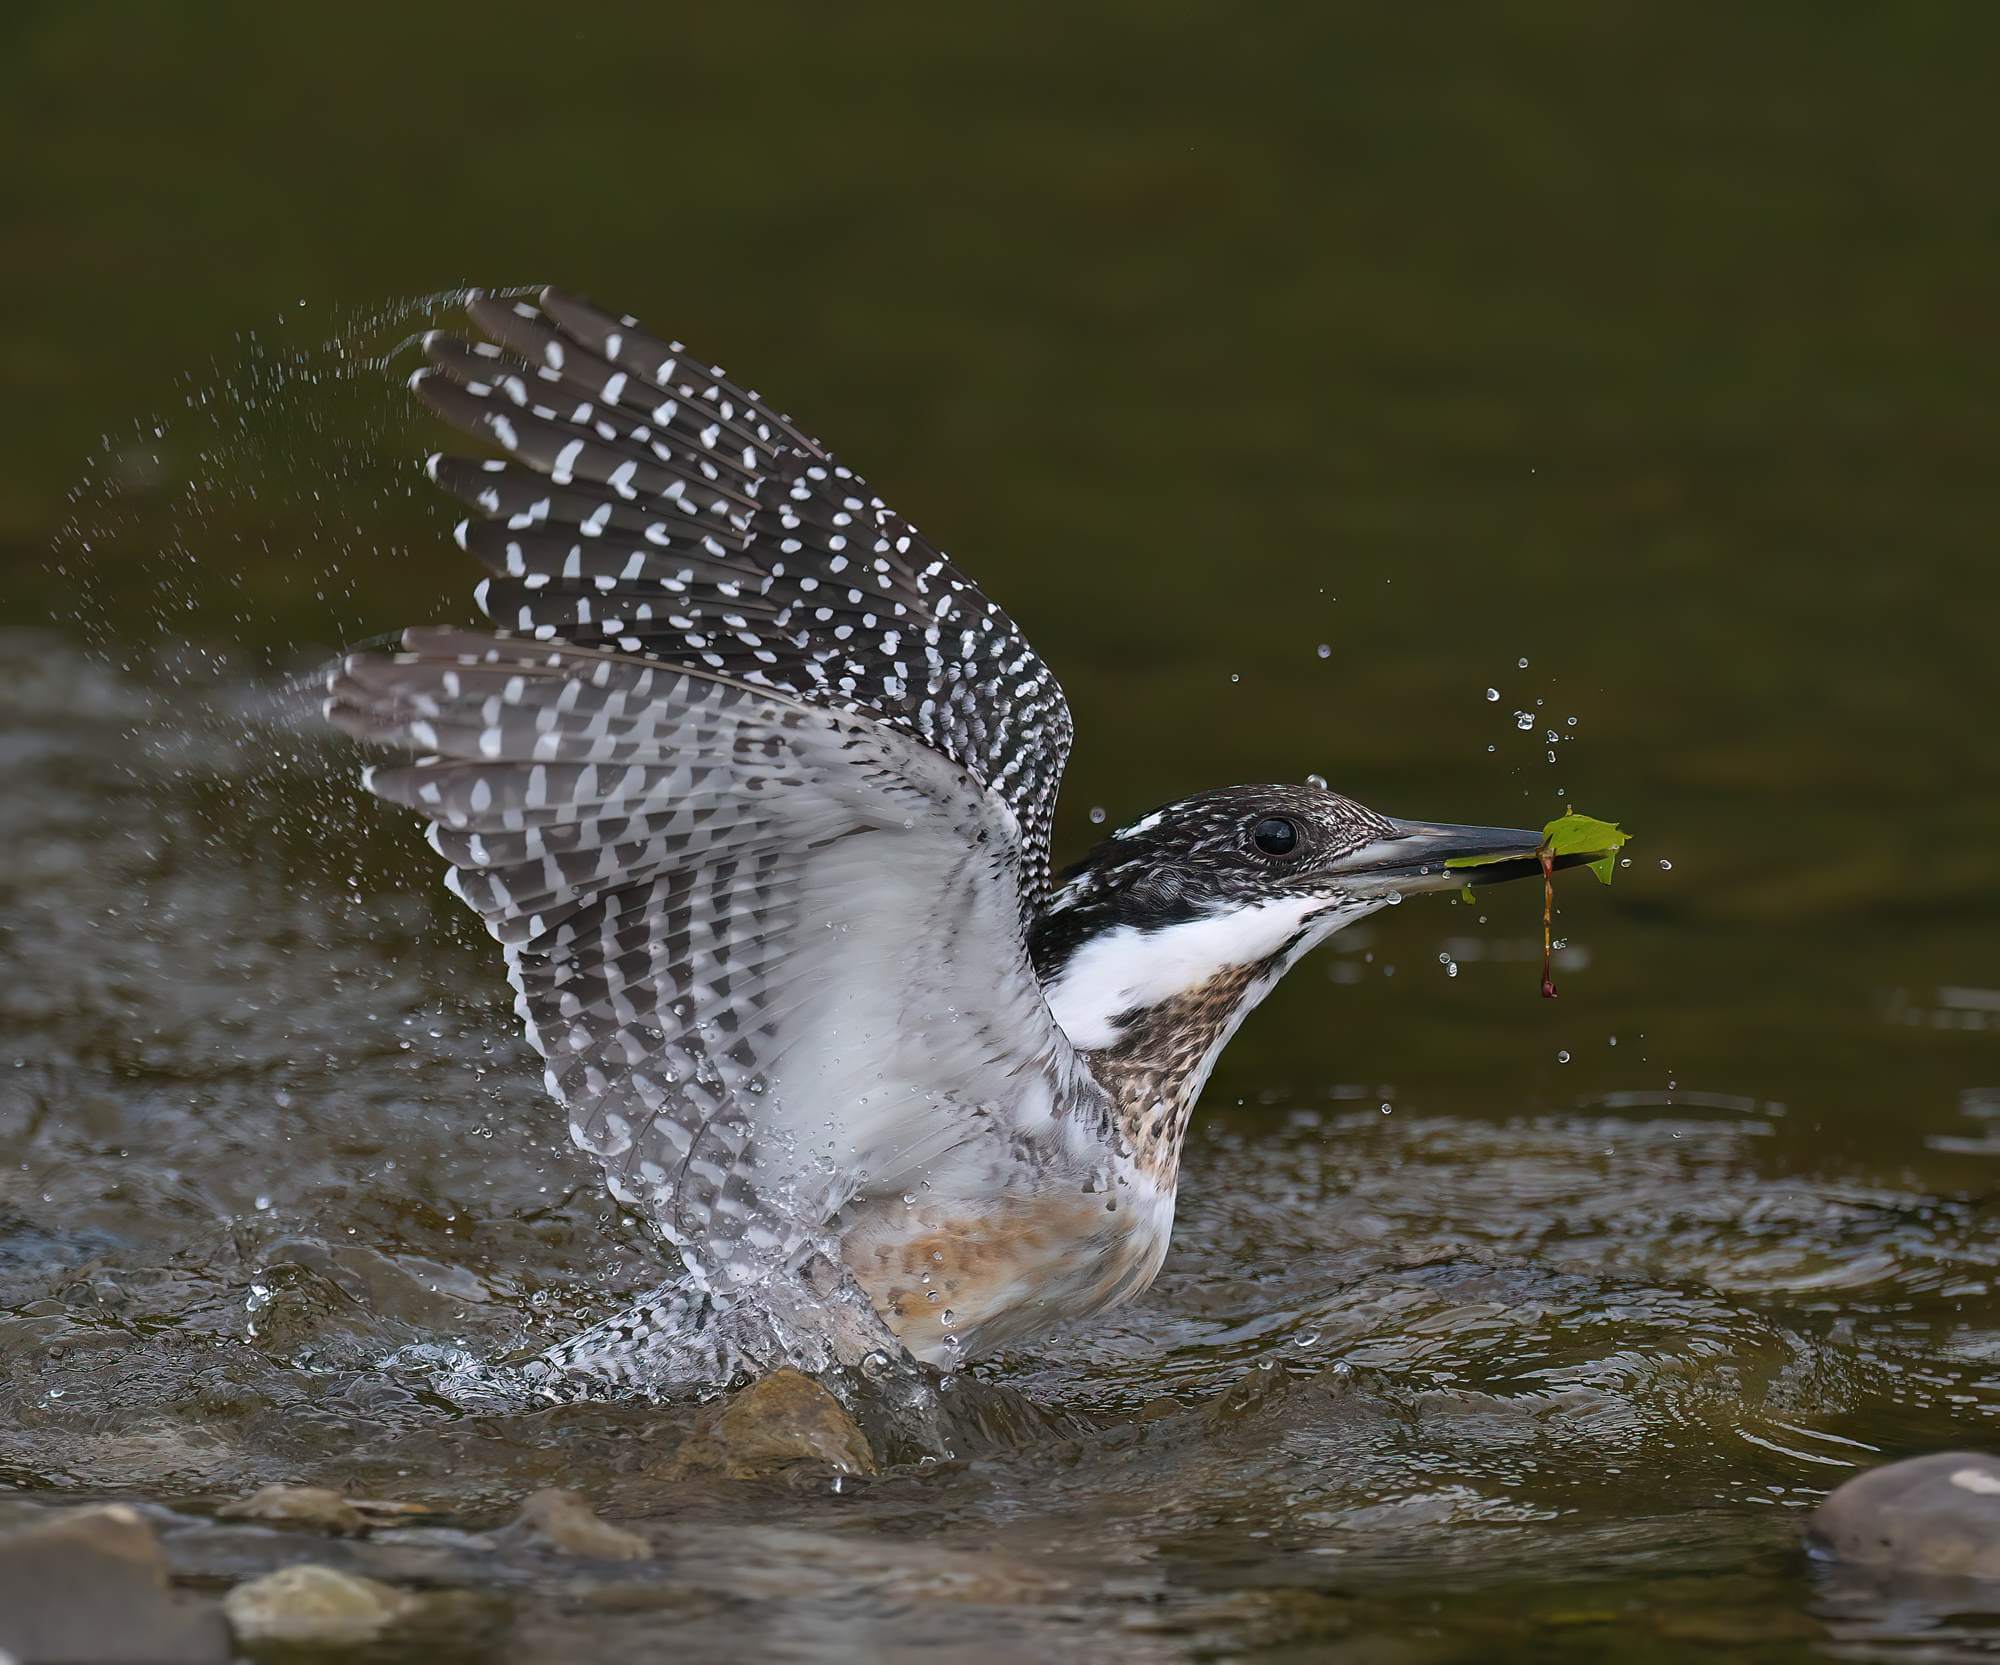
(1470, 1362)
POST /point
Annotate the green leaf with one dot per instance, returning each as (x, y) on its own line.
(1569, 834)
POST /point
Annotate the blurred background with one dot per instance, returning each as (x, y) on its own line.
(1292, 373)
(1491, 409)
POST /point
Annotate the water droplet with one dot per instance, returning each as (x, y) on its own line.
(1097, 815)
(1524, 720)
(1522, 663)
(1388, 1109)
(1492, 694)
(1234, 677)
(1316, 780)
(1324, 650)
(1665, 865)
(1562, 1057)
(262, 1204)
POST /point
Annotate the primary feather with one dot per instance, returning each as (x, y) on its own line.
(653, 506)
(746, 749)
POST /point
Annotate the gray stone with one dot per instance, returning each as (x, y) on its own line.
(565, 1522)
(314, 1506)
(89, 1587)
(308, 1603)
(780, 1422)
(1935, 1515)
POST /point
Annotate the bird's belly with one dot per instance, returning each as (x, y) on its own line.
(955, 1278)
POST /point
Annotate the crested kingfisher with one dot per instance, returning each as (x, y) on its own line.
(754, 788)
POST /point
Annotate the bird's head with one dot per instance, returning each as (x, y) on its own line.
(1200, 907)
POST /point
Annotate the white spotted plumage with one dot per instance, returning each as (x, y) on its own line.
(705, 893)
(706, 819)
(594, 456)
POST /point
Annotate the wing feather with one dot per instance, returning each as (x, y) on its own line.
(711, 898)
(746, 751)
(650, 505)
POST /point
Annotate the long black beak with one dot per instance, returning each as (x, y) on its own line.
(1414, 855)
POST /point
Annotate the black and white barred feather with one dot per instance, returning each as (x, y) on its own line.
(745, 751)
(652, 505)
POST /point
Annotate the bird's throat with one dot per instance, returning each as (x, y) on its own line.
(1156, 1067)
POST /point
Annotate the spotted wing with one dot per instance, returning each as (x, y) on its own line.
(649, 504)
(772, 952)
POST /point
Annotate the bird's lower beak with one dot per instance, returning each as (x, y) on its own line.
(1415, 854)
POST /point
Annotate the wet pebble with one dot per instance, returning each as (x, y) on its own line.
(311, 1604)
(90, 1585)
(565, 1522)
(313, 1506)
(780, 1422)
(1930, 1515)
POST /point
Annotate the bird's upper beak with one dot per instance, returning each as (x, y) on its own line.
(1413, 856)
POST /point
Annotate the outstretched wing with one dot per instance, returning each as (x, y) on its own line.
(771, 952)
(753, 787)
(649, 504)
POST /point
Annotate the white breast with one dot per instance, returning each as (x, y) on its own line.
(1127, 968)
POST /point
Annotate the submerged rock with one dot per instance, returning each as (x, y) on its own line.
(308, 1603)
(298, 1506)
(89, 1587)
(1933, 1515)
(565, 1522)
(1260, 1387)
(783, 1420)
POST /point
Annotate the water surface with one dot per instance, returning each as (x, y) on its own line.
(1292, 389)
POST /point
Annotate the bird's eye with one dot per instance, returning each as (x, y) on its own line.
(1275, 836)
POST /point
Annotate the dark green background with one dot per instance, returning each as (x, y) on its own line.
(1654, 345)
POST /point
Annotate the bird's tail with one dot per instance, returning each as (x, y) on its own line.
(682, 1336)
